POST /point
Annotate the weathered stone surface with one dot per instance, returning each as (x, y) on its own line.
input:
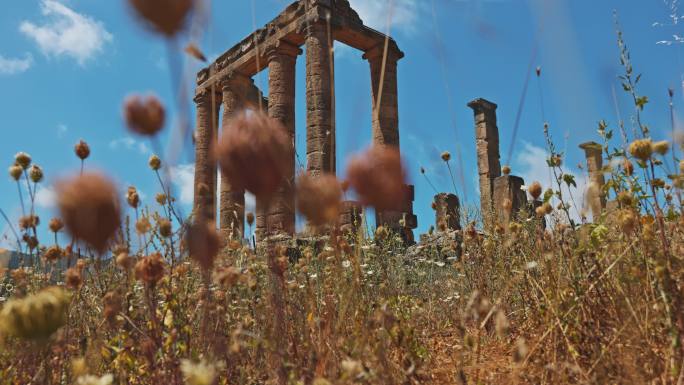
(507, 188)
(320, 126)
(205, 167)
(487, 141)
(594, 155)
(447, 212)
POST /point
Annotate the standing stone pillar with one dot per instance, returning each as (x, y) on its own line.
(487, 141)
(206, 131)
(232, 201)
(447, 212)
(320, 120)
(282, 60)
(596, 198)
(508, 188)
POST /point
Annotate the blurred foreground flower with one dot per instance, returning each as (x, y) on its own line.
(89, 379)
(144, 115)
(90, 208)
(150, 269)
(378, 176)
(318, 198)
(201, 373)
(164, 16)
(194, 51)
(641, 149)
(36, 316)
(253, 153)
(203, 243)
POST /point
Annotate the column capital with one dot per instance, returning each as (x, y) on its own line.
(203, 97)
(591, 147)
(282, 48)
(482, 105)
(377, 52)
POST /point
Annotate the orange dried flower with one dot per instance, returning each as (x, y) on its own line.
(90, 208)
(535, 190)
(16, 171)
(318, 198)
(29, 221)
(506, 170)
(124, 261)
(167, 17)
(82, 150)
(143, 225)
(53, 253)
(203, 243)
(154, 162)
(72, 278)
(150, 269)
(165, 227)
(132, 197)
(378, 176)
(56, 225)
(112, 306)
(144, 115)
(254, 153)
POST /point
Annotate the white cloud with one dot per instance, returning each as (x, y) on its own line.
(530, 164)
(250, 203)
(45, 197)
(183, 177)
(61, 130)
(404, 14)
(67, 33)
(12, 66)
(129, 143)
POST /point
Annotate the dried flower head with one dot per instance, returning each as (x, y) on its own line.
(165, 227)
(535, 190)
(641, 149)
(201, 373)
(626, 198)
(378, 176)
(29, 221)
(36, 173)
(661, 147)
(90, 208)
(143, 225)
(167, 17)
(556, 160)
(150, 269)
(36, 316)
(144, 115)
(446, 156)
(72, 278)
(124, 261)
(56, 225)
(254, 153)
(250, 218)
(193, 50)
(319, 198)
(628, 167)
(23, 160)
(161, 199)
(506, 170)
(82, 150)
(132, 197)
(31, 241)
(15, 172)
(53, 253)
(112, 306)
(203, 243)
(154, 162)
(628, 220)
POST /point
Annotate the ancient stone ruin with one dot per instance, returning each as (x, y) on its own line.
(226, 87)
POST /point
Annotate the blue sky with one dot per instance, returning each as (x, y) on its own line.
(66, 66)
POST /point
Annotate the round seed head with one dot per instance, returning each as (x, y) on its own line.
(36, 173)
(641, 149)
(535, 190)
(506, 170)
(250, 218)
(144, 115)
(446, 156)
(379, 178)
(82, 150)
(56, 225)
(155, 162)
(319, 198)
(15, 172)
(23, 159)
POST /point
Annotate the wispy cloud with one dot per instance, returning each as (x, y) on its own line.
(61, 130)
(183, 177)
(45, 197)
(129, 143)
(12, 66)
(404, 14)
(66, 32)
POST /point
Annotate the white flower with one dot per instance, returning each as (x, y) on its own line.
(94, 380)
(531, 265)
(346, 264)
(201, 373)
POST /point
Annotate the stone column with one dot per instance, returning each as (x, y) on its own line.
(487, 140)
(508, 188)
(384, 93)
(320, 119)
(595, 198)
(282, 59)
(350, 216)
(447, 212)
(206, 131)
(232, 201)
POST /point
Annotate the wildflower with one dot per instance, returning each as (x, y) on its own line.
(250, 218)
(154, 162)
(661, 147)
(628, 220)
(72, 278)
(641, 149)
(167, 17)
(124, 261)
(628, 167)
(15, 172)
(378, 177)
(23, 160)
(161, 199)
(446, 156)
(36, 173)
(29, 221)
(165, 227)
(53, 253)
(203, 243)
(112, 306)
(36, 316)
(506, 170)
(56, 225)
(150, 269)
(89, 208)
(132, 197)
(200, 373)
(144, 116)
(82, 150)
(254, 153)
(535, 190)
(318, 198)
(88, 379)
(143, 225)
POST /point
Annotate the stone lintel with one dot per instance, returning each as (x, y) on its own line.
(378, 51)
